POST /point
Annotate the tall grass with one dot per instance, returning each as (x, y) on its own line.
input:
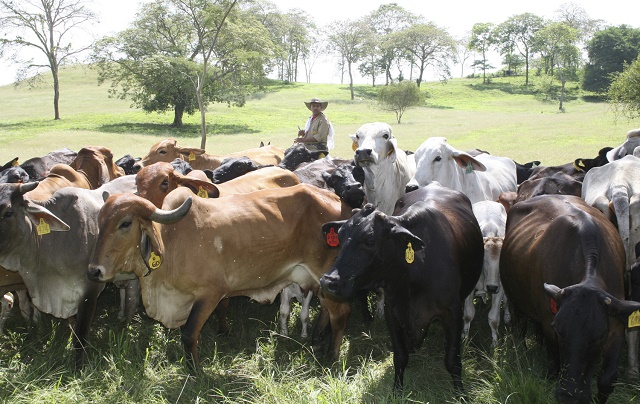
(143, 362)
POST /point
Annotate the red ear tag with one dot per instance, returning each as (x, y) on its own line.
(554, 305)
(332, 238)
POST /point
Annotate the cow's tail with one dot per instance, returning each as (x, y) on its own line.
(620, 206)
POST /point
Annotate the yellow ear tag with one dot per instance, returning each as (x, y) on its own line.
(202, 193)
(192, 156)
(15, 163)
(43, 228)
(409, 255)
(634, 319)
(354, 146)
(321, 156)
(155, 261)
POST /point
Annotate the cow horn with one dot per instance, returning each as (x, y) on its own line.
(172, 216)
(29, 186)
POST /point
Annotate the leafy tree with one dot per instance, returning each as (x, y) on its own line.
(45, 26)
(518, 33)
(608, 52)
(349, 39)
(576, 17)
(624, 92)
(427, 45)
(557, 44)
(399, 97)
(481, 40)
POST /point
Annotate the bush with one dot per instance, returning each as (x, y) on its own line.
(399, 97)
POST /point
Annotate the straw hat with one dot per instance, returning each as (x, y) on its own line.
(323, 104)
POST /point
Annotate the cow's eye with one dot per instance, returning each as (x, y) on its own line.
(7, 214)
(125, 225)
(162, 151)
(438, 158)
(165, 183)
(386, 136)
(357, 137)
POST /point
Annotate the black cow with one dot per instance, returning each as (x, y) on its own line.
(12, 172)
(556, 184)
(524, 171)
(126, 162)
(427, 257)
(231, 168)
(577, 169)
(38, 167)
(345, 185)
(298, 154)
(562, 265)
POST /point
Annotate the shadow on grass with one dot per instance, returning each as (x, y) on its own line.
(508, 88)
(186, 131)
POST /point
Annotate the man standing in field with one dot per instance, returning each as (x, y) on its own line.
(318, 132)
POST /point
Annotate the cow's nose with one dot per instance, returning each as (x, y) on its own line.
(363, 153)
(136, 167)
(94, 273)
(329, 282)
(410, 187)
(493, 289)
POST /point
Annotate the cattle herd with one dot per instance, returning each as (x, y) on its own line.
(429, 232)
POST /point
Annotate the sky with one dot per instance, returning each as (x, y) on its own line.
(456, 16)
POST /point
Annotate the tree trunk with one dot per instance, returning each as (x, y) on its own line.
(350, 80)
(177, 116)
(56, 93)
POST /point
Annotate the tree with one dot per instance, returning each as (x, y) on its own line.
(427, 45)
(399, 97)
(348, 39)
(608, 52)
(556, 42)
(481, 40)
(576, 17)
(463, 53)
(46, 27)
(624, 92)
(518, 33)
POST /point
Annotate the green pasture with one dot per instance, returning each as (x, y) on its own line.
(503, 117)
(143, 362)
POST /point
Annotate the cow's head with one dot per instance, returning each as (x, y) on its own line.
(156, 181)
(298, 154)
(372, 143)
(231, 168)
(581, 328)
(129, 228)
(96, 162)
(20, 218)
(167, 151)
(345, 186)
(436, 160)
(372, 248)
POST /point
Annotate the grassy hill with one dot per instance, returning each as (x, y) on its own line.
(503, 117)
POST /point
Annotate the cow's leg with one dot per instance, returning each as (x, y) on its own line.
(132, 299)
(380, 303)
(221, 314)
(468, 314)
(338, 314)
(611, 354)
(321, 329)
(494, 316)
(400, 348)
(363, 297)
(123, 299)
(7, 303)
(633, 335)
(24, 302)
(84, 318)
(304, 314)
(200, 312)
(452, 322)
(285, 308)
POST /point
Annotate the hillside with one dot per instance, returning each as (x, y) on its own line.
(503, 117)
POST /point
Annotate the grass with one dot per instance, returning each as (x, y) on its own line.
(143, 362)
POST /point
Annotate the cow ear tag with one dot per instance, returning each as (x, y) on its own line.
(321, 156)
(155, 260)
(43, 228)
(15, 163)
(192, 156)
(469, 167)
(553, 305)
(409, 254)
(634, 319)
(354, 146)
(202, 193)
(332, 238)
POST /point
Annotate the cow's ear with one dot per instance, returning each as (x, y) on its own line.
(44, 220)
(466, 162)
(151, 245)
(327, 178)
(405, 237)
(619, 308)
(201, 188)
(187, 151)
(553, 291)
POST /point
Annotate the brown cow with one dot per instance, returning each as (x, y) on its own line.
(92, 167)
(198, 251)
(555, 184)
(156, 181)
(562, 265)
(168, 150)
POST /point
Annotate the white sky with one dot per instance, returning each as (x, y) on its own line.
(456, 16)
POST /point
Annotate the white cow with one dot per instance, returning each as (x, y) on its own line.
(294, 291)
(492, 218)
(387, 169)
(481, 178)
(614, 189)
(626, 148)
